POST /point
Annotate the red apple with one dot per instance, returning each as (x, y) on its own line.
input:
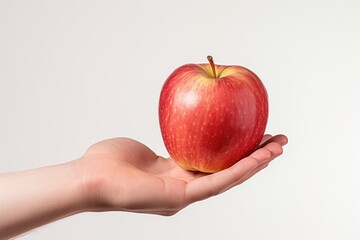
(212, 116)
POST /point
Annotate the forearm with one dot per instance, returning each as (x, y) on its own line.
(36, 197)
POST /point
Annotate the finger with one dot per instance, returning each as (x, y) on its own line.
(249, 175)
(265, 138)
(213, 184)
(272, 149)
(281, 139)
(265, 155)
(254, 172)
(268, 152)
(216, 183)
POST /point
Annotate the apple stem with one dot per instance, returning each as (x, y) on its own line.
(211, 61)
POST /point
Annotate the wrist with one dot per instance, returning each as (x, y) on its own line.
(87, 184)
(79, 200)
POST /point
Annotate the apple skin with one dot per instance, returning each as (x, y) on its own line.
(209, 123)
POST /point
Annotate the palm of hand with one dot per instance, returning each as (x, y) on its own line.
(123, 174)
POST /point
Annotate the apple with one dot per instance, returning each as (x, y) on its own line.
(211, 116)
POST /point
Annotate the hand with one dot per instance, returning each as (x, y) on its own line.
(123, 174)
(116, 174)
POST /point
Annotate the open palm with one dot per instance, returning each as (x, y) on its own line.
(123, 174)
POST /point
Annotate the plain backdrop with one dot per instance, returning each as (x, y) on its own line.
(76, 72)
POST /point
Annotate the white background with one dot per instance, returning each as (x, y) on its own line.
(75, 72)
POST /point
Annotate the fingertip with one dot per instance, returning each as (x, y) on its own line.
(279, 138)
(282, 139)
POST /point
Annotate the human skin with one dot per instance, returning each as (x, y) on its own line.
(118, 174)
